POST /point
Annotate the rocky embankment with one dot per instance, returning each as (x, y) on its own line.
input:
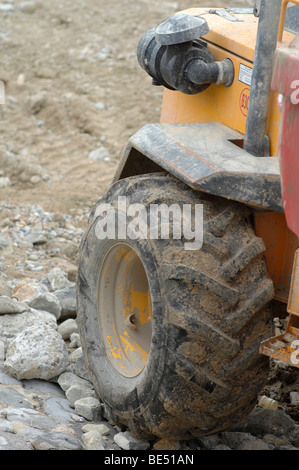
(46, 398)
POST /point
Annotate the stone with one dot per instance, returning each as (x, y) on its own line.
(35, 103)
(35, 179)
(209, 442)
(253, 444)
(11, 396)
(293, 436)
(28, 7)
(13, 324)
(6, 379)
(75, 355)
(275, 441)
(90, 408)
(67, 328)
(93, 440)
(5, 243)
(6, 426)
(12, 442)
(234, 439)
(100, 154)
(80, 368)
(76, 392)
(58, 407)
(68, 379)
(100, 106)
(36, 238)
(42, 440)
(126, 441)
(294, 398)
(289, 447)
(75, 341)
(6, 7)
(65, 248)
(30, 417)
(4, 290)
(4, 182)
(56, 279)
(37, 296)
(265, 421)
(42, 387)
(67, 300)
(101, 428)
(8, 305)
(38, 352)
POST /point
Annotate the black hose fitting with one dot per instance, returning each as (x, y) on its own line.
(172, 55)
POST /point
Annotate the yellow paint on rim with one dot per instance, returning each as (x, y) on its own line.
(125, 310)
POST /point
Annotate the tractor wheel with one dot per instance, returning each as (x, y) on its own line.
(171, 336)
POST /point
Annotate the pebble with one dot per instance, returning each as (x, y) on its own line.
(100, 154)
(4, 181)
(89, 407)
(93, 440)
(294, 398)
(6, 7)
(47, 401)
(67, 328)
(28, 7)
(77, 392)
(126, 441)
(56, 280)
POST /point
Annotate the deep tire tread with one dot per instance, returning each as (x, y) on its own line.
(213, 299)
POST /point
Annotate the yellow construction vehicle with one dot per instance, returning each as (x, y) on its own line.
(189, 252)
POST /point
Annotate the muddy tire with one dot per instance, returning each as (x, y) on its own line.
(200, 370)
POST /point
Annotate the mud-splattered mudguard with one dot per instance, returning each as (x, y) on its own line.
(207, 157)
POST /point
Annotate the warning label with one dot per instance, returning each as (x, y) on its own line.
(245, 74)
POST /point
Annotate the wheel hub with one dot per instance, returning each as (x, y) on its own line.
(124, 310)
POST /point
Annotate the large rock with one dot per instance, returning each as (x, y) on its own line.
(67, 300)
(37, 296)
(13, 324)
(265, 421)
(56, 279)
(38, 352)
(8, 305)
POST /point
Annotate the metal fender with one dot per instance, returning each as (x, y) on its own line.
(207, 157)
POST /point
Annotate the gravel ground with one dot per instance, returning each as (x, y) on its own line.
(46, 398)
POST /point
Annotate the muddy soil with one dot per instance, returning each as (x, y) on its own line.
(73, 85)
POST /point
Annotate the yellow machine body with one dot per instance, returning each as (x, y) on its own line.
(236, 40)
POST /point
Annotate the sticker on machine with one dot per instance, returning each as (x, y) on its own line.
(245, 74)
(244, 101)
